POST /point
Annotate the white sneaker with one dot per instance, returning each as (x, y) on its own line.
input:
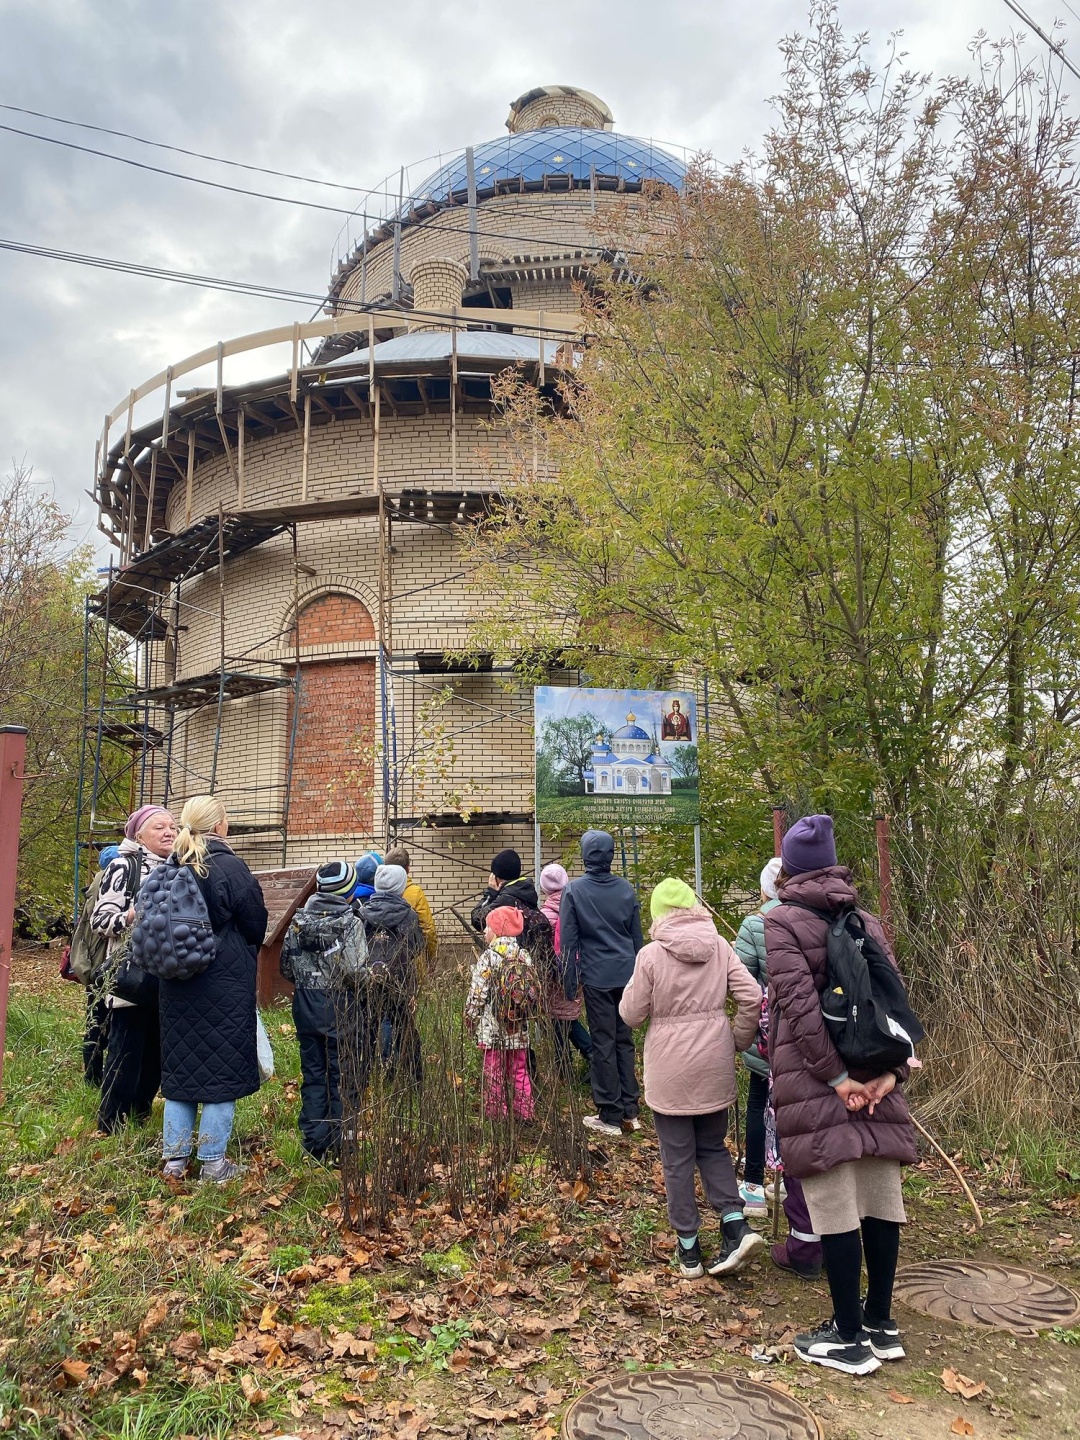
(631, 1126)
(593, 1122)
(753, 1199)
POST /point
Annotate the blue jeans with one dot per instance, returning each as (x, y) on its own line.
(214, 1131)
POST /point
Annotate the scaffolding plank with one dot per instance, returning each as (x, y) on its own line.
(128, 733)
(204, 689)
(129, 600)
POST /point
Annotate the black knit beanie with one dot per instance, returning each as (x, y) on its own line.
(506, 866)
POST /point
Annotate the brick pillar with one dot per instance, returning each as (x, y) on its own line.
(437, 284)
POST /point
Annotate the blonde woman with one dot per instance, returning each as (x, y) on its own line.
(208, 1048)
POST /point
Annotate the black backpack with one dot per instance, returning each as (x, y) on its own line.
(389, 966)
(864, 1003)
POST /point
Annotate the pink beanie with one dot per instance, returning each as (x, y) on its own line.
(505, 920)
(138, 818)
(553, 879)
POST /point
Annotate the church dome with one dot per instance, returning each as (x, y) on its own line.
(556, 157)
(630, 731)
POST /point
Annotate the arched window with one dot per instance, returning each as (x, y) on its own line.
(333, 770)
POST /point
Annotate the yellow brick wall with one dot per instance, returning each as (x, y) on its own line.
(508, 225)
(460, 738)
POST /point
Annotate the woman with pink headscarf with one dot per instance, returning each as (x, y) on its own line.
(133, 1058)
(565, 1015)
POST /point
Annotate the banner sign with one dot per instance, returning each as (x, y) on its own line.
(616, 757)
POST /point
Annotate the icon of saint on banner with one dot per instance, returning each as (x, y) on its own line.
(675, 725)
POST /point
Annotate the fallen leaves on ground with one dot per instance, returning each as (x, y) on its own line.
(960, 1426)
(962, 1385)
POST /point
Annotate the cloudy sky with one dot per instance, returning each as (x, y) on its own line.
(337, 91)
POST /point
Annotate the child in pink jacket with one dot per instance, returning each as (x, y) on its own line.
(681, 984)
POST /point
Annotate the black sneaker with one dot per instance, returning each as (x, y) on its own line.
(690, 1266)
(740, 1245)
(885, 1340)
(825, 1346)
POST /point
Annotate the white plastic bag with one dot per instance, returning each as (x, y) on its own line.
(266, 1054)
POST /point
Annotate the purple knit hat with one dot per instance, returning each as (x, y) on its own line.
(139, 817)
(808, 845)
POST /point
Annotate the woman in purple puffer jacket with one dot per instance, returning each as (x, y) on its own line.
(845, 1136)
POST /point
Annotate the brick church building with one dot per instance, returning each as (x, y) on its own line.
(289, 578)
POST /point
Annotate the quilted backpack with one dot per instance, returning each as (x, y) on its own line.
(388, 960)
(173, 938)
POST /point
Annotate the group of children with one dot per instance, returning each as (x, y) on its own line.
(845, 1134)
(364, 918)
(840, 1135)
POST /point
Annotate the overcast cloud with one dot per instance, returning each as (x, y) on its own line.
(340, 91)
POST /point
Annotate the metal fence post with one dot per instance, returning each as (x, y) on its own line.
(12, 769)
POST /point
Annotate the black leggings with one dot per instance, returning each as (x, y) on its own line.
(756, 1100)
(843, 1255)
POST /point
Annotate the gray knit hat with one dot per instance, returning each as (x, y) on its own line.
(390, 880)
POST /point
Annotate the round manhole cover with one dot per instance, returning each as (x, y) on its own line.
(687, 1405)
(974, 1292)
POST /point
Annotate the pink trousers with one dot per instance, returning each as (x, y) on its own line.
(506, 1081)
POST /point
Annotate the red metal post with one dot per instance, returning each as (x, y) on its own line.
(12, 769)
(777, 827)
(881, 826)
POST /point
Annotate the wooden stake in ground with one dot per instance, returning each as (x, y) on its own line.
(966, 1187)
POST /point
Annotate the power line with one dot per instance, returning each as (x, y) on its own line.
(1058, 51)
(194, 154)
(151, 272)
(175, 174)
(278, 199)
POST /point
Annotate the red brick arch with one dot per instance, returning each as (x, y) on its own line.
(334, 618)
(334, 761)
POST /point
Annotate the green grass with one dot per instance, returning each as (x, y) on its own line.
(215, 1412)
(1043, 1158)
(103, 1198)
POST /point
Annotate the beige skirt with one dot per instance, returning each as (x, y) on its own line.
(840, 1199)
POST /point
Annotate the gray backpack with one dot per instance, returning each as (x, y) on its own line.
(173, 938)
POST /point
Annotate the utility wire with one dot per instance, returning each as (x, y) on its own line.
(428, 224)
(194, 154)
(179, 277)
(175, 174)
(1058, 51)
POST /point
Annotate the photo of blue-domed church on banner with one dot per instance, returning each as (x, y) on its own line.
(616, 757)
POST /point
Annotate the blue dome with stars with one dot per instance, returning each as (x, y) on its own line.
(630, 731)
(556, 157)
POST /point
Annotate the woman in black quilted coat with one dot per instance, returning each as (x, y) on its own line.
(209, 1054)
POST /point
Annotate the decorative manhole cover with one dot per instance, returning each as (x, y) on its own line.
(973, 1292)
(687, 1405)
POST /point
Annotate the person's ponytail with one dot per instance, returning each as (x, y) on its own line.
(197, 819)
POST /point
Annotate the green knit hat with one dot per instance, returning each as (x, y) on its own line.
(671, 894)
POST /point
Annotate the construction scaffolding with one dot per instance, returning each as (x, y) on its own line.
(197, 681)
(143, 611)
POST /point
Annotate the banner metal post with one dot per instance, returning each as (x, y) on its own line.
(697, 860)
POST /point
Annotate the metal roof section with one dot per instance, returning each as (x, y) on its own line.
(425, 345)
